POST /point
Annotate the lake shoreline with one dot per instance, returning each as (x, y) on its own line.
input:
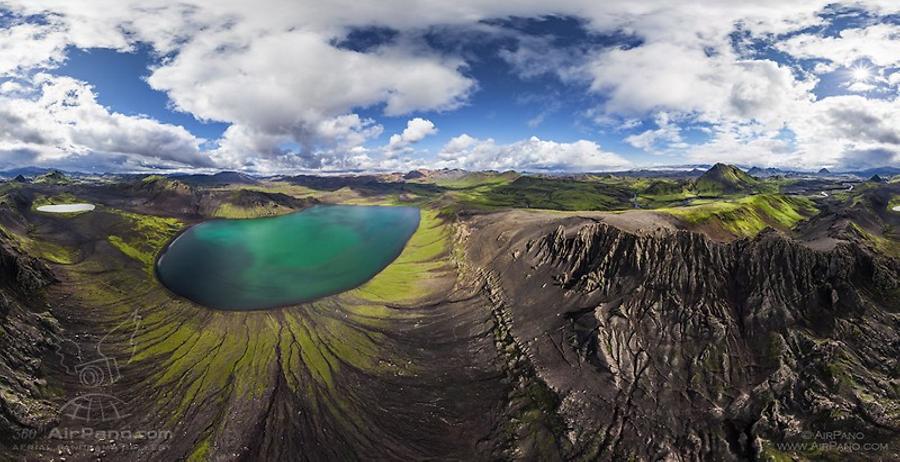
(322, 262)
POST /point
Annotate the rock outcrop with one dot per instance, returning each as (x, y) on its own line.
(668, 346)
(27, 335)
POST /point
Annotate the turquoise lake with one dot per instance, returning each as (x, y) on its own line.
(270, 262)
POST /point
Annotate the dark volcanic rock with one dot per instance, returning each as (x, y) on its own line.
(219, 179)
(157, 193)
(54, 177)
(672, 347)
(414, 175)
(25, 338)
(363, 184)
(765, 172)
(249, 198)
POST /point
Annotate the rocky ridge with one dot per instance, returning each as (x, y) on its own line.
(26, 336)
(670, 346)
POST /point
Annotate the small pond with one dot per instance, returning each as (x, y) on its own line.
(66, 208)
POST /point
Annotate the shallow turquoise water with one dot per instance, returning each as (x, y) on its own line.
(270, 262)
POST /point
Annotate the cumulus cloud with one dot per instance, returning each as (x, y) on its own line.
(27, 46)
(533, 154)
(894, 78)
(290, 82)
(275, 70)
(749, 147)
(416, 130)
(278, 79)
(876, 43)
(666, 133)
(62, 119)
(686, 80)
(839, 131)
(338, 139)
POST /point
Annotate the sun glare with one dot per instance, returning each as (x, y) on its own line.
(861, 73)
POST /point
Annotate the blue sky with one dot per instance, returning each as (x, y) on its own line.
(119, 82)
(578, 87)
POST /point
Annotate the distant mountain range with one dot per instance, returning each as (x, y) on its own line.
(691, 171)
(880, 171)
(767, 172)
(221, 178)
(24, 171)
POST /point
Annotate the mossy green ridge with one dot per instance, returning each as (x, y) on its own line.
(747, 216)
(881, 244)
(146, 237)
(61, 198)
(52, 252)
(54, 177)
(406, 279)
(237, 212)
(555, 194)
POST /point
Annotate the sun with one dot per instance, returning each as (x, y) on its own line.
(861, 73)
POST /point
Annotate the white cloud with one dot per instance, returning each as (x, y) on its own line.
(532, 154)
(738, 145)
(416, 130)
(861, 87)
(457, 145)
(61, 118)
(667, 133)
(11, 87)
(894, 78)
(840, 131)
(877, 43)
(27, 46)
(686, 80)
(278, 94)
(839, 127)
(337, 138)
(272, 68)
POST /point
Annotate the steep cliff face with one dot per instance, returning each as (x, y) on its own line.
(26, 336)
(670, 346)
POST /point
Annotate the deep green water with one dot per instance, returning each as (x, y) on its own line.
(271, 262)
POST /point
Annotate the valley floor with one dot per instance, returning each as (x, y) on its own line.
(678, 333)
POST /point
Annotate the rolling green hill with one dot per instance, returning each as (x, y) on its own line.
(725, 179)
